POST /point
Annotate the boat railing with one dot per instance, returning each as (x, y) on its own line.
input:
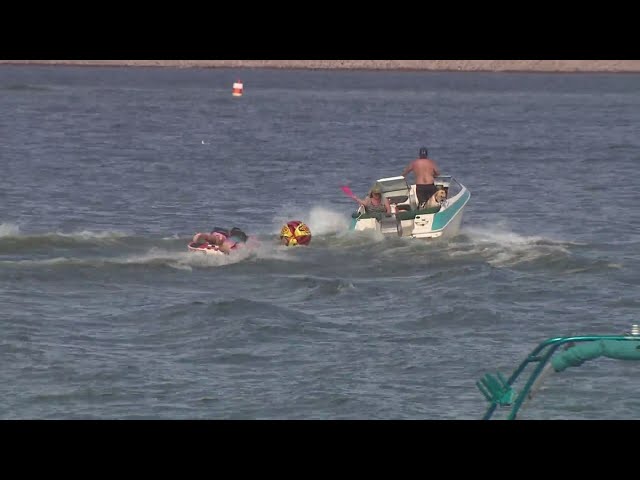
(499, 391)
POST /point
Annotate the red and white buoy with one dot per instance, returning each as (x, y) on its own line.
(237, 89)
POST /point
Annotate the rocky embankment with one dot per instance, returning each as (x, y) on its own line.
(614, 66)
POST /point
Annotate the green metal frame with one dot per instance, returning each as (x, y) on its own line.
(499, 392)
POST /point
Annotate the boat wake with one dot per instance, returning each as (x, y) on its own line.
(9, 230)
(321, 220)
(154, 257)
(96, 249)
(503, 248)
(498, 247)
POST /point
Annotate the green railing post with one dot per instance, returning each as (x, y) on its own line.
(499, 392)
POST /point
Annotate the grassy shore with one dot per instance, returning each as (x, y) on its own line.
(613, 66)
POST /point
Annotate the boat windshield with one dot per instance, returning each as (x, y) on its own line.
(392, 184)
(448, 183)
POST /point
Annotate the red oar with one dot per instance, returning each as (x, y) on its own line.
(347, 191)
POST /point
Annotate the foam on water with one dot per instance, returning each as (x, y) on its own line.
(504, 248)
(9, 230)
(321, 220)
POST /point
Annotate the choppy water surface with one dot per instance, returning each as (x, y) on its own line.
(107, 173)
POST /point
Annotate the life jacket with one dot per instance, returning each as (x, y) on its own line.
(376, 208)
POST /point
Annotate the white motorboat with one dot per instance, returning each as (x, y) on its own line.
(407, 218)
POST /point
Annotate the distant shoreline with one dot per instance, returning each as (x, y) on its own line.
(549, 66)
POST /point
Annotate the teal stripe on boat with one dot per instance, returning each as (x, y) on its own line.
(441, 219)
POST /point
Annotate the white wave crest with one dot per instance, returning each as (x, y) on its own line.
(89, 234)
(320, 220)
(502, 247)
(9, 230)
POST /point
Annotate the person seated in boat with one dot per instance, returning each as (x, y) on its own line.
(425, 171)
(373, 203)
(225, 240)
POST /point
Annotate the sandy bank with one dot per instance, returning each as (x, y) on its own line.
(434, 65)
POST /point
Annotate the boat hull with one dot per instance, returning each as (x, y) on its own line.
(442, 221)
(446, 223)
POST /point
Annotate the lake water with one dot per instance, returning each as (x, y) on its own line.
(108, 172)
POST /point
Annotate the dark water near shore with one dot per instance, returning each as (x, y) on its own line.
(108, 172)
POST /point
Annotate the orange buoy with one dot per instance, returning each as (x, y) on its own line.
(237, 89)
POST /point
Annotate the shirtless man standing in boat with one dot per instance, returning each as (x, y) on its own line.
(424, 170)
